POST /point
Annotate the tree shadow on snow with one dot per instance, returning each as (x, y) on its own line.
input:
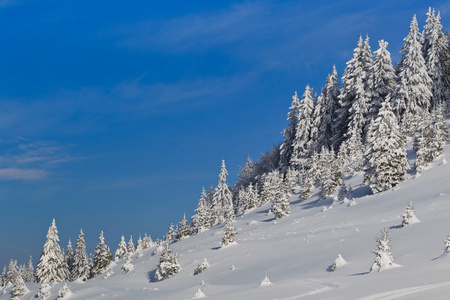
(216, 248)
(151, 276)
(359, 274)
(396, 227)
(330, 268)
(440, 256)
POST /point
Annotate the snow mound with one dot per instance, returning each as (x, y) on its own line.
(338, 262)
(199, 294)
(265, 282)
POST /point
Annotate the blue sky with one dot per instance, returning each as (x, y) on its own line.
(114, 114)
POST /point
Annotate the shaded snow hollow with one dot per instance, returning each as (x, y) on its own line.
(295, 252)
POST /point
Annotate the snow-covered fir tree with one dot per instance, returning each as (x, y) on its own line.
(128, 265)
(228, 236)
(130, 246)
(245, 177)
(63, 292)
(270, 186)
(281, 206)
(44, 291)
(382, 80)
(409, 216)
(147, 242)
(301, 144)
(413, 89)
(30, 277)
(384, 258)
(19, 289)
(3, 277)
(168, 264)
(202, 218)
(139, 247)
(447, 245)
(52, 266)
(201, 267)
(80, 266)
(170, 234)
(436, 52)
(331, 178)
(122, 251)
(68, 256)
(102, 257)
(385, 162)
(12, 274)
(222, 208)
(287, 147)
(184, 230)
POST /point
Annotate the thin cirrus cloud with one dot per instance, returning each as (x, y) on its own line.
(23, 159)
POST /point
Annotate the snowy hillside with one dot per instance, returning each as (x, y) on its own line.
(296, 252)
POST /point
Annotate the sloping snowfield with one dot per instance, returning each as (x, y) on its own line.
(296, 252)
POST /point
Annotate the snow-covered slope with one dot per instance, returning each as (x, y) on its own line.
(296, 252)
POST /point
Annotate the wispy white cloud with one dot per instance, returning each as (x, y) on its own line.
(22, 174)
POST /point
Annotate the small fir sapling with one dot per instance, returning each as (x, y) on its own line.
(128, 265)
(202, 267)
(130, 246)
(228, 237)
(44, 291)
(384, 259)
(63, 292)
(168, 264)
(409, 216)
(265, 282)
(447, 245)
(184, 230)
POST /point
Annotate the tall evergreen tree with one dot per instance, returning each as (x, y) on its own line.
(202, 218)
(122, 251)
(68, 257)
(287, 147)
(386, 161)
(80, 266)
(301, 144)
(413, 90)
(52, 266)
(102, 257)
(30, 276)
(130, 246)
(184, 230)
(222, 209)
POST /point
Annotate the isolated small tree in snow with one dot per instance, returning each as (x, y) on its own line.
(102, 257)
(384, 258)
(44, 291)
(52, 266)
(409, 216)
(80, 266)
(338, 262)
(447, 245)
(202, 267)
(121, 251)
(228, 236)
(168, 264)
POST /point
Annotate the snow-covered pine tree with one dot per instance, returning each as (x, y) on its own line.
(30, 276)
(130, 246)
(80, 266)
(436, 52)
(252, 197)
(447, 245)
(139, 247)
(382, 80)
(128, 265)
(357, 67)
(423, 142)
(171, 233)
(122, 251)
(281, 206)
(222, 209)
(201, 219)
(147, 242)
(245, 177)
(4, 277)
(332, 175)
(384, 258)
(19, 289)
(63, 292)
(440, 131)
(201, 267)
(270, 185)
(385, 157)
(306, 189)
(52, 266)
(68, 257)
(287, 147)
(102, 257)
(168, 264)
(13, 272)
(301, 144)
(291, 178)
(44, 291)
(409, 216)
(413, 89)
(184, 230)
(228, 236)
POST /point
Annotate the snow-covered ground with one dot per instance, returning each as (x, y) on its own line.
(296, 253)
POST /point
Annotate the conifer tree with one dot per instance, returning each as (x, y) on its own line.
(202, 219)
(147, 242)
(30, 276)
(52, 266)
(384, 257)
(184, 230)
(222, 210)
(102, 257)
(436, 52)
(80, 266)
(168, 264)
(4, 277)
(245, 177)
(228, 236)
(13, 272)
(170, 234)
(386, 161)
(281, 206)
(270, 186)
(409, 215)
(382, 80)
(44, 291)
(332, 175)
(122, 251)
(68, 257)
(287, 148)
(130, 246)
(423, 142)
(19, 289)
(413, 90)
(139, 247)
(301, 144)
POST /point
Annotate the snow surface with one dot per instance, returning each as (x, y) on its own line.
(296, 251)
